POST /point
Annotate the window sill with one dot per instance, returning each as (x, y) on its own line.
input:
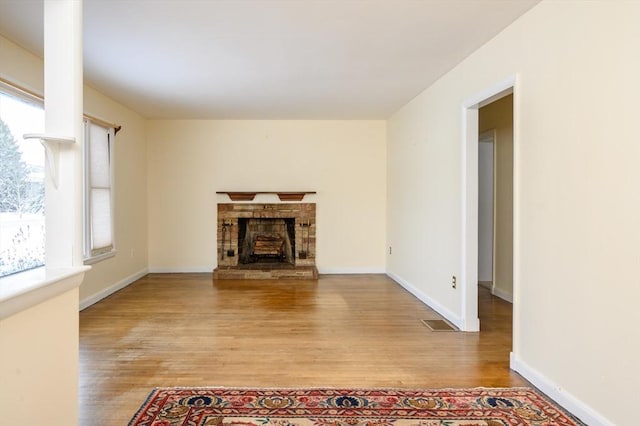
(21, 291)
(100, 257)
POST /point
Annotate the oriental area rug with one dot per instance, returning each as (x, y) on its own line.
(349, 407)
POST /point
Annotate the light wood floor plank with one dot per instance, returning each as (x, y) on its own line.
(339, 331)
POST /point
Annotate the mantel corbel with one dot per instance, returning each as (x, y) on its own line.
(250, 195)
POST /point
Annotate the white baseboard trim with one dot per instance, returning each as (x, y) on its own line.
(554, 391)
(486, 284)
(85, 303)
(445, 312)
(195, 269)
(502, 294)
(337, 271)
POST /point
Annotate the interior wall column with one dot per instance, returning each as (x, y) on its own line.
(63, 81)
(63, 106)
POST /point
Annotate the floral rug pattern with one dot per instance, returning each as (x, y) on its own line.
(349, 407)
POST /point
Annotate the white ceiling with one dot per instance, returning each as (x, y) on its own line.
(270, 59)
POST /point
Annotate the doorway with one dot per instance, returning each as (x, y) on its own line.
(470, 169)
(495, 197)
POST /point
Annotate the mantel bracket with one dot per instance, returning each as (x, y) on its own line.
(250, 195)
(51, 145)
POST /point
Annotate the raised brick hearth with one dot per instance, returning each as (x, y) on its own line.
(266, 241)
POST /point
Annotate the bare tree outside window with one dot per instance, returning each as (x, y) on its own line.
(21, 188)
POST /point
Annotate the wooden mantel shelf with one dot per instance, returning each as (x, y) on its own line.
(250, 195)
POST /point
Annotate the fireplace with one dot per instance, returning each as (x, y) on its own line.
(266, 241)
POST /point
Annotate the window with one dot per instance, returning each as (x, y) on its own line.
(98, 215)
(22, 225)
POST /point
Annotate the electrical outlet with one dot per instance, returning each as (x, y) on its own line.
(453, 281)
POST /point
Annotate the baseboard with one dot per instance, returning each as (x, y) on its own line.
(337, 271)
(85, 303)
(193, 270)
(502, 294)
(486, 284)
(554, 391)
(445, 312)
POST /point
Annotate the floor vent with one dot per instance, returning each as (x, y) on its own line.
(438, 325)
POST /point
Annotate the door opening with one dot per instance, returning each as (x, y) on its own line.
(470, 201)
(495, 197)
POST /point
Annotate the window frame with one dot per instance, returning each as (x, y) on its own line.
(96, 255)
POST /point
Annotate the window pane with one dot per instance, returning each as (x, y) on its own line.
(21, 186)
(99, 156)
(101, 218)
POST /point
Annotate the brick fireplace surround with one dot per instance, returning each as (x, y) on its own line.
(301, 263)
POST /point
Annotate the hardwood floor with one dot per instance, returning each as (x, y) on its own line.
(339, 331)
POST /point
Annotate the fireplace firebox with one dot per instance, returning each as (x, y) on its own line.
(266, 240)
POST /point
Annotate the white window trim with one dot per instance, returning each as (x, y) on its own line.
(97, 256)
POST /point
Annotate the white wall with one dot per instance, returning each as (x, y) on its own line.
(577, 204)
(344, 161)
(130, 188)
(39, 363)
